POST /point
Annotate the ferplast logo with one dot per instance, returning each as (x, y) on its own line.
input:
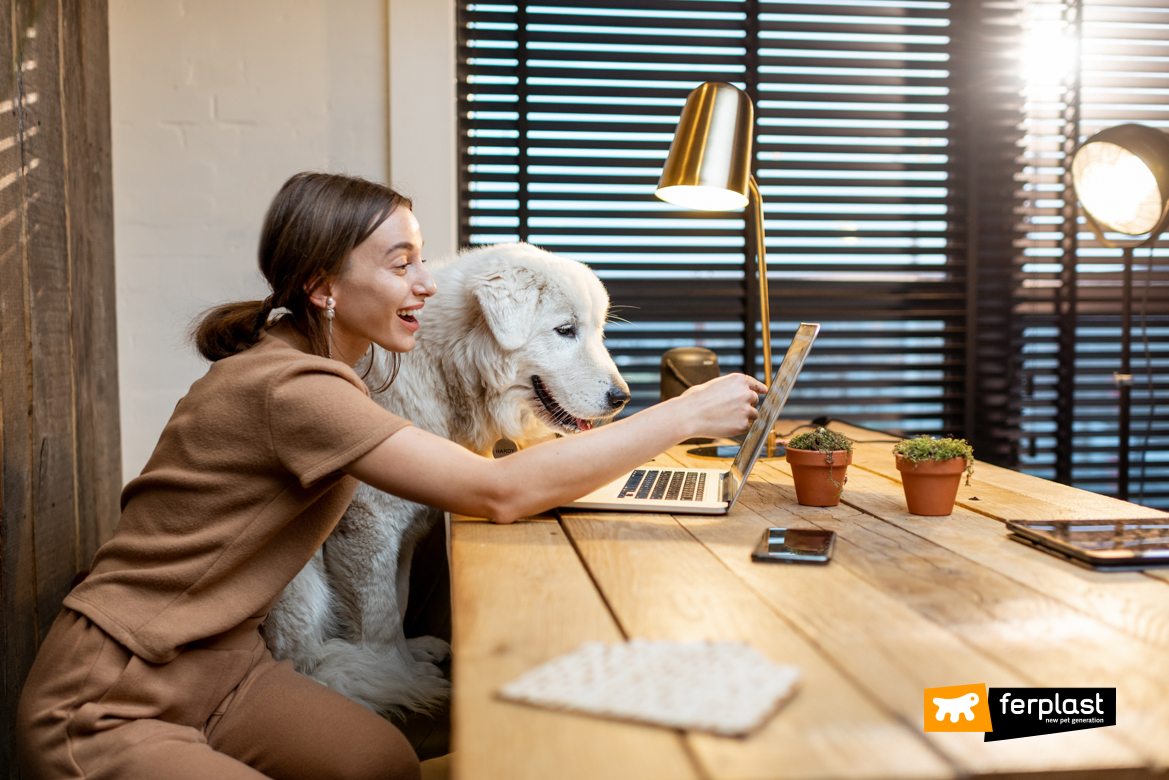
(1011, 713)
(957, 708)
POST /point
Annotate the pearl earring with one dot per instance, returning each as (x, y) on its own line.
(330, 304)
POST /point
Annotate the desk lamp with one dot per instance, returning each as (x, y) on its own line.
(709, 168)
(1121, 177)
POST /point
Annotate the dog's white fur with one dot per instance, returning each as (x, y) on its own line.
(502, 315)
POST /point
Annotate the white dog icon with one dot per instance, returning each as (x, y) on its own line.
(963, 705)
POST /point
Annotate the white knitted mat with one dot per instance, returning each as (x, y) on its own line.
(726, 688)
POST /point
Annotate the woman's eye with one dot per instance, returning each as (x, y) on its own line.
(568, 331)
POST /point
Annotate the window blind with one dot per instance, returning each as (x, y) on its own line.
(1095, 64)
(567, 112)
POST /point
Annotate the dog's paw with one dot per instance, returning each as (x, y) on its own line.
(428, 648)
(429, 689)
(381, 678)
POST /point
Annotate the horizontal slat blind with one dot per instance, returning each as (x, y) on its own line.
(854, 165)
(1071, 309)
(567, 112)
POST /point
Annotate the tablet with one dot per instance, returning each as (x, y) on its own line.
(1112, 545)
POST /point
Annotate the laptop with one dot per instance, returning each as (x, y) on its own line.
(705, 491)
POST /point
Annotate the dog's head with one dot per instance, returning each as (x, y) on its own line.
(545, 317)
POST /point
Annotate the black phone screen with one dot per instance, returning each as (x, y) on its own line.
(795, 545)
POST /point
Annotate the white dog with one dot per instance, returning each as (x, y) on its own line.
(510, 347)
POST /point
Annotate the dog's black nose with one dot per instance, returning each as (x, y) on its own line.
(617, 397)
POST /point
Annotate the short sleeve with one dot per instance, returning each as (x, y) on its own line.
(320, 422)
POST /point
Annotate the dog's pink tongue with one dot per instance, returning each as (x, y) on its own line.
(584, 425)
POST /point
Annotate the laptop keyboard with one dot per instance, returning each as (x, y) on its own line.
(670, 485)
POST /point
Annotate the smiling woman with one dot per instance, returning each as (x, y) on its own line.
(157, 657)
(383, 286)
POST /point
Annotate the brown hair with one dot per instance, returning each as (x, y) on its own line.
(314, 222)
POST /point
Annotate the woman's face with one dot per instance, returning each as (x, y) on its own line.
(381, 290)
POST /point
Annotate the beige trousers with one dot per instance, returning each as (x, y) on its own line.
(223, 709)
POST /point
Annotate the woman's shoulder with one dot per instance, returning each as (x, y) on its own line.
(280, 355)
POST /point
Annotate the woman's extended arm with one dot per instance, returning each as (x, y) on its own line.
(431, 470)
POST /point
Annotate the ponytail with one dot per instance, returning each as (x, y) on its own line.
(230, 328)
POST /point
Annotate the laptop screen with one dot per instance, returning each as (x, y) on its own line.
(772, 404)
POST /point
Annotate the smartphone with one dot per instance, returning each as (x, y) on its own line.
(795, 545)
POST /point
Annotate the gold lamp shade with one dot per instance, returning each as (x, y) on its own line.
(1121, 177)
(710, 158)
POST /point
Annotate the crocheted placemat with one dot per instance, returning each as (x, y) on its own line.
(726, 688)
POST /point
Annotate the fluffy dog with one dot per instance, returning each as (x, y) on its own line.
(510, 347)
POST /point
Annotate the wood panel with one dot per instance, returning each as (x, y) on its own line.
(1133, 602)
(908, 603)
(521, 597)
(94, 332)
(46, 238)
(890, 649)
(59, 428)
(662, 584)
(1067, 624)
(17, 577)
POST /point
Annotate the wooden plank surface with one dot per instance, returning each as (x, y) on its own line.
(521, 597)
(1003, 493)
(878, 637)
(1069, 625)
(1133, 602)
(908, 603)
(662, 584)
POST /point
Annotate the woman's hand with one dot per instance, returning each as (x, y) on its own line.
(724, 406)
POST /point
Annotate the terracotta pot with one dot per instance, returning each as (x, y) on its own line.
(931, 485)
(814, 475)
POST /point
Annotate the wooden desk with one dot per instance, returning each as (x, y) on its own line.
(908, 603)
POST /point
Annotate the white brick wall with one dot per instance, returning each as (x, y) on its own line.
(215, 104)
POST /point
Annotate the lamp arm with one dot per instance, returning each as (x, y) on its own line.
(764, 298)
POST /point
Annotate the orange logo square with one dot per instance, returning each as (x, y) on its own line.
(957, 708)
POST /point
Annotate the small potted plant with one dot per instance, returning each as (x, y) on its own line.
(931, 470)
(818, 460)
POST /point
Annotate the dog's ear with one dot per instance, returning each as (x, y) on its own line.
(508, 299)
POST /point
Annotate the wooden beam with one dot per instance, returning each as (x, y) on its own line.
(59, 427)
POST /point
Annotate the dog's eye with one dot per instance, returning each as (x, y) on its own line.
(568, 331)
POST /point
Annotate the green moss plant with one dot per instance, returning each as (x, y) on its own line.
(820, 440)
(825, 441)
(924, 448)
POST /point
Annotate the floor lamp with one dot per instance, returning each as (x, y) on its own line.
(709, 168)
(1121, 178)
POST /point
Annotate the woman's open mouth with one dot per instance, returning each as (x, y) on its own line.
(555, 413)
(407, 317)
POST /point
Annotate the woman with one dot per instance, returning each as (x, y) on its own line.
(155, 667)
